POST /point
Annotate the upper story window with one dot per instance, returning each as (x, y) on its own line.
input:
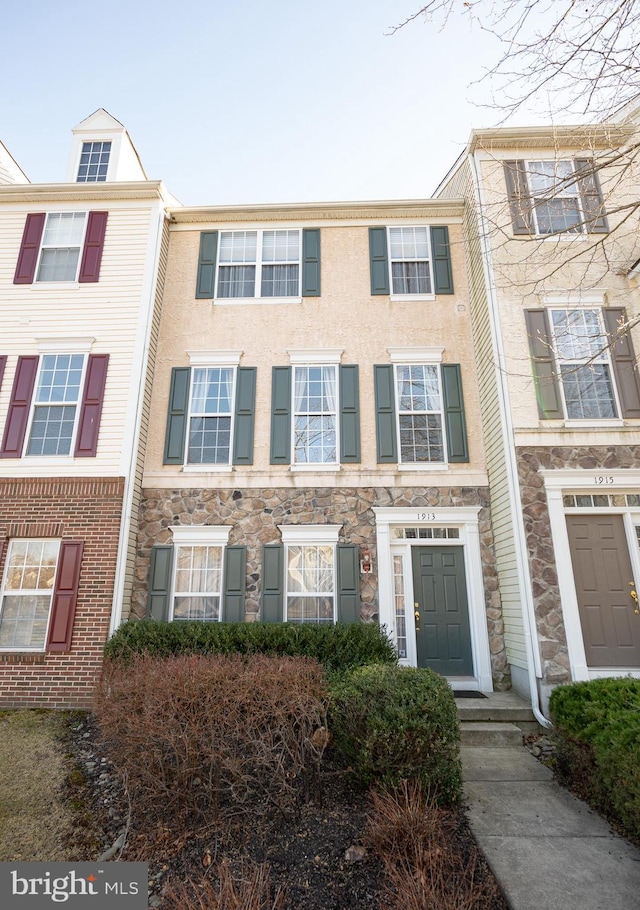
(270, 265)
(61, 246)
(211, 412)
(420, 418)
(315, 407)
(420, 424)
(550, 196)
(94, 162)
(583, 363)
(55, 404)
(409, 256)
(410, 262)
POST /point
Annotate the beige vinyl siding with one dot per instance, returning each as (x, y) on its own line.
(107, 311)
(501, 515)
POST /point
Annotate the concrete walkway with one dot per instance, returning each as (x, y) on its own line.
(548, 850)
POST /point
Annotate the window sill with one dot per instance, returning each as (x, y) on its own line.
(592, 422)
(50, 285)
(243, 301)
(23, 657)
(207, 468)
(315, 467)
(424, 466)
(409, 298)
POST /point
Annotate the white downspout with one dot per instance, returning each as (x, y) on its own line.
(530, 635)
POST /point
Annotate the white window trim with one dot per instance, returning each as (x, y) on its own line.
(314, 465)
(71, 282)
(420, 465)
(64, 344)
(68, 458)
(315, 356)
(4, 592)
(580, 422)
(394, 296)
(416, 355)
(565, 234)
(222, 360)
(466, 519)
(557, 483)
(199, 536)
(309, 535)
(257, 297)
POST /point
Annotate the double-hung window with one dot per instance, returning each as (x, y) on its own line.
(55, 404)
(584, 362)
(310, 573)
(258, 264)
(94, 162)
(555, 196)
(197, 592)
(315, 410)
(210, 415)
(420, 417)
(61, 244)
(410, 260)
(211, 412)
(27, 593)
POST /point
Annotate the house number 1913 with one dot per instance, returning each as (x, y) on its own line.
(426, 516)
(602, 479)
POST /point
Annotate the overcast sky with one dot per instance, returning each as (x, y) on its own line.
(239, 101)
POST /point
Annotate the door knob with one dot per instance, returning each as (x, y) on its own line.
(634, 595)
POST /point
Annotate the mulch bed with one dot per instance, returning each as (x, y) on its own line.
(305, 853)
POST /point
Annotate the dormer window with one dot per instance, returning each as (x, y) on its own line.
(94, 162)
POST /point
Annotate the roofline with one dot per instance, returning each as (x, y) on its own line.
(85, 192)
(410, 208)
(596, 135)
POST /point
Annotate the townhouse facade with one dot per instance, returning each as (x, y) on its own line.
(551, 240)
(81, 269)
(315, 449)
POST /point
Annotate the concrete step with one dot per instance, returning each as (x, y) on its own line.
(488, 709)
(490, 733)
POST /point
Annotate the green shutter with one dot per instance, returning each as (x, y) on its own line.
(458, 450)
(441, 253)
(206, 281)
(544, 372)
(518, 195)
(272, 582)
(311, 262)
(378, 260)
(159, 582)
(235, 570)
(623, 360)
(386, 441)
(244, 415)
(348, 559)
(349, 415)
(176, 432)
(591, 196)
(281, 415)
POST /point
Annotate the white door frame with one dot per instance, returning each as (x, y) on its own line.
(567, 480)
(465, 519)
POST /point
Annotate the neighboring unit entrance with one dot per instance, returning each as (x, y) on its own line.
(604, 582)
(441, 611)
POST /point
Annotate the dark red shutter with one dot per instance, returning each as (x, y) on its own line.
(3, 363)
(91, 407)
(65, 594)
(29, 249)
(19, 404)
(93, 244)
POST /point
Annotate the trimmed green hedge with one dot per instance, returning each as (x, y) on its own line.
(392, 723)
(336, 647)
(598, 726)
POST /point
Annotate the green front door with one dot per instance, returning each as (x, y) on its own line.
(441, 610)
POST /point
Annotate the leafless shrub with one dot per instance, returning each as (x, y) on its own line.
(202, 739)
(250, 889)
(419, 845)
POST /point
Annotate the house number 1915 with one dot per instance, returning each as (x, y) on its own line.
(426, 516)
(602, 479)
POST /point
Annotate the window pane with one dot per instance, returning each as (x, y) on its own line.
(204, 609)
(588, 391)
(557, 215)
(236, 281)
(58, 265)
(198, 583)
(212, 390)
(94, 162)
(64, 229)
(280, 281)
(421, 438)
(238, 246)
(24, 621)
(281, 246)
(418, 388)
(411, 277)
(60, 377)
(310, 609)
(579, 335)
(209, 440)
(52, 431)
(409, 243)
(310, 569)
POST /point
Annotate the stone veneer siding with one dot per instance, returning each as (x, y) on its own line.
(254, 516)
(542, 565)
(89, 510)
